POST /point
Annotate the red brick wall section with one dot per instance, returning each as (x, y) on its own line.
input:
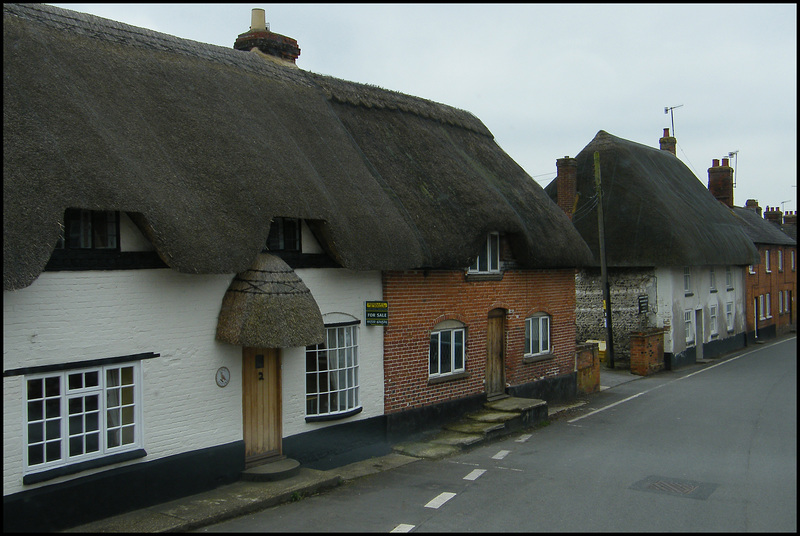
(647, 352)
(418, 300)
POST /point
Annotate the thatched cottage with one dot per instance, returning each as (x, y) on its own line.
(676, 257)
(213, 258)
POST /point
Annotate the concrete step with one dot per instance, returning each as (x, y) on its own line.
(272, 471)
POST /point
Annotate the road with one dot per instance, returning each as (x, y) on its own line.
(707, 448)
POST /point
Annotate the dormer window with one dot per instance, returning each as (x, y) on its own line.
(284, 235)
(89, 230)
(488, 261)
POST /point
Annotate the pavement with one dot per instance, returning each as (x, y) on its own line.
(245, 497)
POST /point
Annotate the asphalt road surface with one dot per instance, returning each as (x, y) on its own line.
(707, 448)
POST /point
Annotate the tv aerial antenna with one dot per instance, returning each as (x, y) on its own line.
(735, 156)
(668, 110)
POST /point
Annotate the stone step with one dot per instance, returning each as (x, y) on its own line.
(272, 471)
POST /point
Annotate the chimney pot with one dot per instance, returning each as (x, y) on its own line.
(667, 143)
(258, 20)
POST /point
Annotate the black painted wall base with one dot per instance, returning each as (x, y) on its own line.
(116, 491)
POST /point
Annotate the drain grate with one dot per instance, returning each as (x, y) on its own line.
(676, 487)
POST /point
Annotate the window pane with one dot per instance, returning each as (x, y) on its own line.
(35, 454)
(446, 352)
(545, 334)
(458, 350)
(535, 338)
(434, 354)
(35, 411)
(494, 252)
(35, 432)
(52, 386)
(53, 451)
(527, 349)
(35, 389)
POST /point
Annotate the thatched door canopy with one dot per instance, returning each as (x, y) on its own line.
(269, 306)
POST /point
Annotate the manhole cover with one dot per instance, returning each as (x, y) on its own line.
(676, 486)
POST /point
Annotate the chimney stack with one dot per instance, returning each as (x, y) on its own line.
(790, 217)
(773, 215)
(567, 184)
(668, 142)
(720, 181)
(269, 43)
(752, 204)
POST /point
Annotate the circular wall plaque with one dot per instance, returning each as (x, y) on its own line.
(223, 376)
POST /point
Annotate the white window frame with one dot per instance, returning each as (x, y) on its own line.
(541, 324)
(751, 268)
(688, 323)
(728, 278)
(447, 354)
(780, 260)
(687, 280)
(729, 315)
(712, 274)
(713, 320)
(97, 408)
(767, 267)
(780, 302)
(792, 257)
(769, 305)
(761, 307)
(332, 383)
(488, 260)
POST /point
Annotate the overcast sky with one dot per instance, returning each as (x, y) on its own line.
(546, 78)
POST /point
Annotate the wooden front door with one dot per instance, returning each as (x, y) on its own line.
(495, 354)
(261, 403)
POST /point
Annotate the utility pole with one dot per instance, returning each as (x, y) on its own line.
(603, 269)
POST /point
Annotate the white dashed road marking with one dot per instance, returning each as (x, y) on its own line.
(523, 438)
(475, 474)
(440, 499)
(402, 527)
(500, 455)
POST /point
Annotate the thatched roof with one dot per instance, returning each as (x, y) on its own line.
(269, 294)
(759, 230)
(204, 145)
(656, 212)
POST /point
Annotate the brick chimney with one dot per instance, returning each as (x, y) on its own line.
(566, 183)
(752, 204)
(720, 181)
(790, 217)
(773, 215)
(269, 43)
(668, 143)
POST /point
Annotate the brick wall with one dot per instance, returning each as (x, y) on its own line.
(418, 300)
(647, 351)
(778, 279)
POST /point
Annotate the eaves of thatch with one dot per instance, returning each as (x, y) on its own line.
(759, 230)
(204, 145)
(656, 212)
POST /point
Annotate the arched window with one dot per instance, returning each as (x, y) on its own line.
(537, 335)
(447, 348)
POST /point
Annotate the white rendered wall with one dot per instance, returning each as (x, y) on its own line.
(673, 301)
(340, 295)
(66, 317)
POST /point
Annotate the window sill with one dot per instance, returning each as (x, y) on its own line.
(537, 358)
(688, 293)
(475, 276)
(50, 474)
(335, 416)
(713, 291)
(449, 377)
